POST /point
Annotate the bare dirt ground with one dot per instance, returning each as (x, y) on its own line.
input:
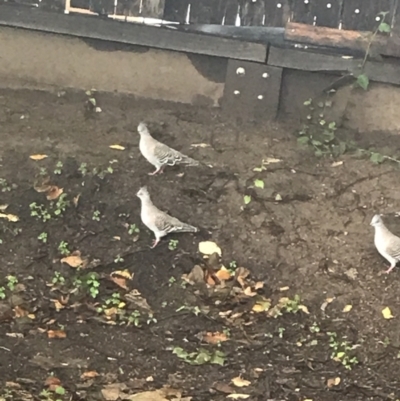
(306, 233)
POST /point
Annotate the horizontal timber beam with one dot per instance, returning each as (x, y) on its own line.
(308, 61)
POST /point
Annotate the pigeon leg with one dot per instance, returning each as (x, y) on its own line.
(155, 242)
(390, 269)
(156, 171)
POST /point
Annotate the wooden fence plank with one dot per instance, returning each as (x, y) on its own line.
(334, 38)
(152, 8)
(102, 7)
(361, 15)
(129, 8)
(135, 34)
(327, 12)
(231, 12)
(251, 12)
(277, 12)
(301, 11)
(393, 47)
(207, 11)
(176, 10)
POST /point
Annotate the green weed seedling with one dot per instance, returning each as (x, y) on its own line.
(5, 187)
(341, 350)
(2, 293)
(201, 356)
(96, 215)
(58, 168)
(12, 282)
(40, 212)
(173, 244)
(118, 259)
(63, 248)
(43, 237)
(83, 169)
(58, 279)
(92, 284)
(133, 229)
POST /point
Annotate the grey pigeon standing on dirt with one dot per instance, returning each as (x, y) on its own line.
(387, 244)
(158, 221)
(158, 154)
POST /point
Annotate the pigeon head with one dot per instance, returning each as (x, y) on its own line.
(376, 220)
(142, 129)
(143, 193)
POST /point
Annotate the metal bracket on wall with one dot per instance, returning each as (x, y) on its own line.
(251, 90)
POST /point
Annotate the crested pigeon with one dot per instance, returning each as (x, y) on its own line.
(387, 244)
(158, 154)
(158, 221)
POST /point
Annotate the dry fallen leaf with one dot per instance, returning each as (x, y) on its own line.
(326, 303)
(236, 396)
(111, 392)
(54, 192)
(9, 217)
(117, 147)
(304, 309)
(120, 281)
(209, 247)
(249, 292)
(75, 200)
(284, 288)
(38, 157)
(223, 388)
(73, 260)
(52, 383)
(215, 338)
(258, 285)
(261, 305)
(3, 208)
(223, 274)
(56, 334)
(335, 381)
(335, 164)
(58, 305)
(89, 375)
(123, 273)
(19, 312)
(347, 308)
(387, 313)
(240, 382)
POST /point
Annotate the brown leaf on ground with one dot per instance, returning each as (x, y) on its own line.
(223, 388)
(120, 281)
(52, 383)
(196, 276)
(75, 200)
(56, 334)
(54, 192)
(20, 312)
(135, 297)
(223, 274)
(111, 392)
(89, 375)
(38, 157)
(214, 338)
(240, 382)
(75, 260)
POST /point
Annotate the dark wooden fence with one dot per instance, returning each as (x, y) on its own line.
(359, 15)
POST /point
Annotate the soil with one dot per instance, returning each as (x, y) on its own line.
(306, 233)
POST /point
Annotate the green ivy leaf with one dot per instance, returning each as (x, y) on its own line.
(303, 140)
(247, 199)
(384, 27)
(376, 158)
(259, 184)
(60, 390)
(307, 102)
(363, 81)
